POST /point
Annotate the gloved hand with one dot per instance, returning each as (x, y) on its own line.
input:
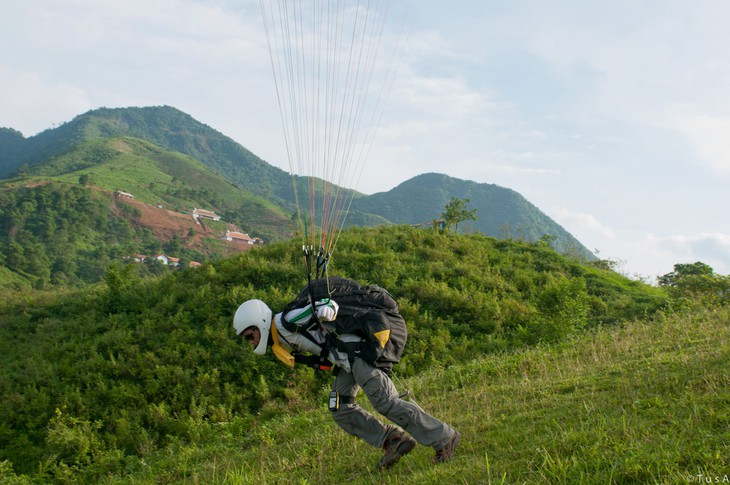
(327, 312)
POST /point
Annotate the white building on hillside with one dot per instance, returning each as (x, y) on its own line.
(205, 214)
(238, 237)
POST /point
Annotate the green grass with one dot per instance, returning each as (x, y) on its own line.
(645, 403)
(150, 173)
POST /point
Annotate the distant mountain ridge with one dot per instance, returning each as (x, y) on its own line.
(501, 212)
(165, 126)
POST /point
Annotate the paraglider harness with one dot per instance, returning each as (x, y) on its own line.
(369, 312)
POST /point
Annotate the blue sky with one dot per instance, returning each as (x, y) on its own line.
(612, 117)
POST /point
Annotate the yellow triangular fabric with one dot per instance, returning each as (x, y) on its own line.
(382, 337)
(278, 350)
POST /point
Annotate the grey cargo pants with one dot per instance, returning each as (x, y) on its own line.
(383, 395)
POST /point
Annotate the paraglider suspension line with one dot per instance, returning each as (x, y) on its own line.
(320, 271)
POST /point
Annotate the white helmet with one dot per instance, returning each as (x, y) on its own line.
(254, 313)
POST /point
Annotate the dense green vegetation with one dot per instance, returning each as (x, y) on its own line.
(644, 402)
(59, 234)
(63, 234)
(134, 367)
(57, 227)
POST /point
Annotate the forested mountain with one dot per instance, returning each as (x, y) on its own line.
(73, 152)
(64, 222)
(11, 144)
(164, 126)
(501, 212)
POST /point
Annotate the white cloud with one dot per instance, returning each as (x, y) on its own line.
(438, 101)
(70, 56)
(430, 124)
(26, 97)
(514, 170)
(711, 248)
(709, 135)
(582, 224)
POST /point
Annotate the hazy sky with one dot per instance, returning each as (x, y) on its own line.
(613, 117)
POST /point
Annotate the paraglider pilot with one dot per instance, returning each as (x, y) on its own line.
(358, 330)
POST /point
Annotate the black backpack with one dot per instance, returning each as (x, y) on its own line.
(369, 312)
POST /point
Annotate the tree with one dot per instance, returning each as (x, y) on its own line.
(173, 245)
(456, 212)
(547, 240)
(697, 281)
(682, 271)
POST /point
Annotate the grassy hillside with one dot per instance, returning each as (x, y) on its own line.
(103, 377)
(644, 403)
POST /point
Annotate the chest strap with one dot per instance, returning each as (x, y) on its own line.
(279, 351)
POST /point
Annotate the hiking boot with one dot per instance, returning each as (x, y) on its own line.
(396, 446)
(447, 452)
